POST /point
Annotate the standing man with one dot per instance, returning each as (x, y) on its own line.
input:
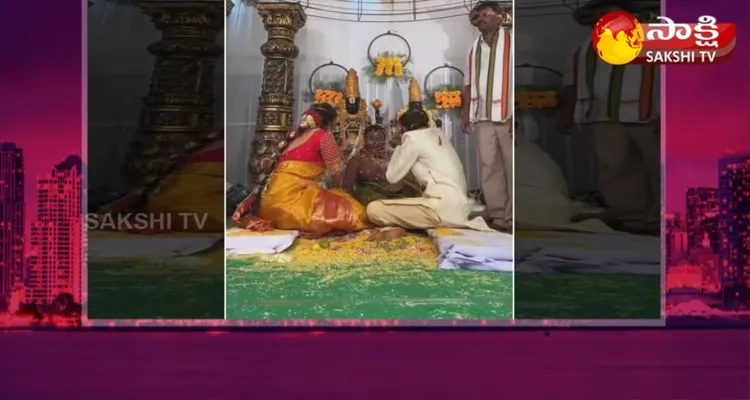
(488, 108)
(618, 107)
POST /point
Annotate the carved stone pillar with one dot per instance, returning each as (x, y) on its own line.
(179, 108)
(282, 20)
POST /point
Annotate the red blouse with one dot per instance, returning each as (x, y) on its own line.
(320, 148)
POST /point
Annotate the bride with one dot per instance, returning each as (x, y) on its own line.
(291, 198)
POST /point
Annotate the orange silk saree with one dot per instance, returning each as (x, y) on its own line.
(294, 199)
(196, 188)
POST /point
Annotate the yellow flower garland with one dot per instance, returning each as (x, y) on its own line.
(536, 100)
(329, 96)
(447, 100)
(389, 66)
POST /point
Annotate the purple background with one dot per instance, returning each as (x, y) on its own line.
(41, 82)
(706, 105)
(40, 86)
(510, 364)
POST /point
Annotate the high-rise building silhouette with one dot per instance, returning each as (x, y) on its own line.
(673, 220)
(56, 236)
(11, 219)
(702, 210)
(675, 245)
(734, 230)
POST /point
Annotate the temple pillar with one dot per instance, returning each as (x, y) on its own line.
(179, 108)
(282, 20)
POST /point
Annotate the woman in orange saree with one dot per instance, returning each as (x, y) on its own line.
(292, 198)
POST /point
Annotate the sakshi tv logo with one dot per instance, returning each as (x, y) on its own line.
(619, 39)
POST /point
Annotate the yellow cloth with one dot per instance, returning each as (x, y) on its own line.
(294, 200)
(198, 189)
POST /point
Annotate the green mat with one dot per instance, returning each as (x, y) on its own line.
(587, 296)
(369, 290)
(183, 288)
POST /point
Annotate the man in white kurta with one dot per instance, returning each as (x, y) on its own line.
(618, 106)
(488, 109)
(428, 154)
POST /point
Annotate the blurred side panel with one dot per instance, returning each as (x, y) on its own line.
(588, 162)
(156, 160)
(41, 177)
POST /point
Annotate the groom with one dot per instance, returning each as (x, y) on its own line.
(425, 152)
(488, 109)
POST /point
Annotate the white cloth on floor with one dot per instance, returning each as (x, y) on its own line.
(245, 242)
(571, 252)
(111, 245)
(473, 250)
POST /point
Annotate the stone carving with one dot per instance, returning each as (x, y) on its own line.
(275, 115)
(179, 108)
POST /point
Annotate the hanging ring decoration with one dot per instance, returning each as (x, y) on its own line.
(444, 66)
(539, 67)
(535, 98)
(315, 71)
(389, 33)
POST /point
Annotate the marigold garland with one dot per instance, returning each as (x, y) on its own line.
(329, 85)
(447, 100)
(332, 97)
(388, 66)
(536, 100)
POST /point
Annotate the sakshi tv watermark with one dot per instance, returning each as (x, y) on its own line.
(620, 39)
(147, 222)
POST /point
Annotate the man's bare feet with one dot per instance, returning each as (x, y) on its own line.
(385, 234)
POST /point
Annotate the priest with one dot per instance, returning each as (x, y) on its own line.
(488, 107)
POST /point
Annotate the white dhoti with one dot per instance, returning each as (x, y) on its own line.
(619, 107)
(490, 78)
(430, 157)
(414, 213)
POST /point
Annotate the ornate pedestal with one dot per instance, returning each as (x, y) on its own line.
(179, 108)
(282, 21)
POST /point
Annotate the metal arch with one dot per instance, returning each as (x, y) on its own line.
(315, 71)
(444, 66)
(389, 33)
(571, 8)
(548, 69)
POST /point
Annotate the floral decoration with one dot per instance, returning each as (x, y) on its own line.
(388, 66)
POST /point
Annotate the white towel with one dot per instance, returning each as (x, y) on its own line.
(113, 245)
(245, 242)
(589, 253)
(501, 82)
(473, 250)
